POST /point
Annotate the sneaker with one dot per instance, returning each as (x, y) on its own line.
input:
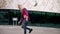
(30, 30)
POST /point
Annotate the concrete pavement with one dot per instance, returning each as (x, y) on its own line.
(6, 29)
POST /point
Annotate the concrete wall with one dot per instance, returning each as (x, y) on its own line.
(42, 5)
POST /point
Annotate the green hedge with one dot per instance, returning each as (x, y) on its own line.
(35, 16)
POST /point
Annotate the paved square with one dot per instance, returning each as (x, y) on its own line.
(6, 29)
